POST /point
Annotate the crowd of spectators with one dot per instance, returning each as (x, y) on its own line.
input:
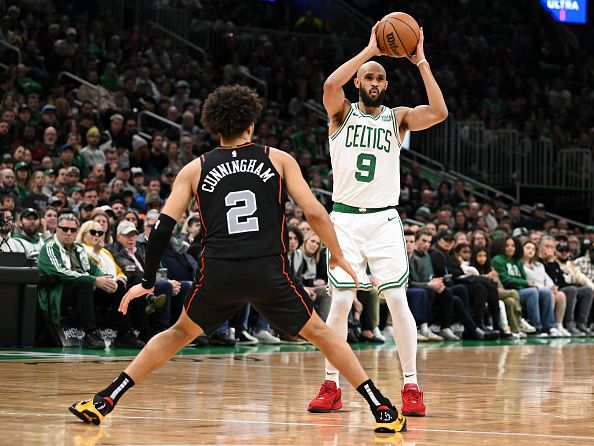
(81, 186)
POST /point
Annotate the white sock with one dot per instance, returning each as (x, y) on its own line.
(405, 332)
(424, 327)
(338, 320)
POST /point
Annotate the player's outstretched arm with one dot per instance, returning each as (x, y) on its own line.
(174, 208)
(424, 116)
(334, 98)
(316, 215)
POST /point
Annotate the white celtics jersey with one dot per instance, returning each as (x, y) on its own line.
(365, 154)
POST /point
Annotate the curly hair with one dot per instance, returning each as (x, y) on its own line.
(230, 109)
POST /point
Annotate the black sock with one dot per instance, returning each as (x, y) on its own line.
(112, 393)
(373, 396)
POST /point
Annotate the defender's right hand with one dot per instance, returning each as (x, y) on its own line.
(342, 263)
(133, 293)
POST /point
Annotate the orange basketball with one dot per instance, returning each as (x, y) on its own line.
(398, 34)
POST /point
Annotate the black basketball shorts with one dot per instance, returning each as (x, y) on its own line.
(223, 286)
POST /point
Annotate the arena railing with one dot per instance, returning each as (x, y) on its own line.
(316, 109)
(260, 84)
(537, 162)
(574, 169)
(179, 39)
(84, 82)
(144, 131)
(434, 170)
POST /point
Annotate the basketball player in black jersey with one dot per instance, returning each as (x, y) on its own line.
(240, 189)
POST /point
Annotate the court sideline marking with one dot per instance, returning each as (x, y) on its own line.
(295, 423)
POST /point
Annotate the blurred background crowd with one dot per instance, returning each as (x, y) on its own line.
(100, 111)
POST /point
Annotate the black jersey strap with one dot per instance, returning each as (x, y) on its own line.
(202, 160)
(267, 150)
(157, 243)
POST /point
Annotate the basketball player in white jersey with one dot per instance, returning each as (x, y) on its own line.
(365, 142)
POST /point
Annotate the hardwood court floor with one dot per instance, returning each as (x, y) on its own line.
(515, 394)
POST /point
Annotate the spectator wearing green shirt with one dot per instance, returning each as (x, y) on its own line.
(507, 255)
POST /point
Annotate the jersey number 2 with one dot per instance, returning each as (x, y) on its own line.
(366, 166)
(249, 207)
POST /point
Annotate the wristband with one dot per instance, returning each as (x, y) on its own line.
(421, 61)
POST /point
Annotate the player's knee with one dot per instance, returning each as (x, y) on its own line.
(396, 295)
(342, 301)
(186, 329)
(314, 329)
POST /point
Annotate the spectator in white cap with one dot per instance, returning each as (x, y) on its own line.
(71, 44)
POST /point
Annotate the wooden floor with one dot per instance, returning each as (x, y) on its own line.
(476, 395)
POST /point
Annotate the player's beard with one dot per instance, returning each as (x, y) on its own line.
(368, 101)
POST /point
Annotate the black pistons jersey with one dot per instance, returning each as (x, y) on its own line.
(241, 198)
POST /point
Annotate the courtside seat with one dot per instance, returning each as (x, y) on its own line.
(18, 300)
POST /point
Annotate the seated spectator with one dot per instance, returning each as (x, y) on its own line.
(418, 297)
(479, 292)
(572, 282)
(535, 271)
(313, 274)
(29, 234)
(7, 242)
(92, 153)
(481, 260)
(479, 238)
(442, 298)
(585, 263)
(35, 197)
(49, 222)
(71, 281)
(190, 235)
(90, 236)
(100, 216)
(537, 303)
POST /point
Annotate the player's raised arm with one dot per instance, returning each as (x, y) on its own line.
(424, 116)
(334, 100)
(174, 208)
(315, 213)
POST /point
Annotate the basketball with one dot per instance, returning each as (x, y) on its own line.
(398, 34)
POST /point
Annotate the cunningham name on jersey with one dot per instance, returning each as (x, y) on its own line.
(220, 171)
(365, 154)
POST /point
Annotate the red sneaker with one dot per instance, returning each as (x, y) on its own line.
(327, 400)
(412, 401)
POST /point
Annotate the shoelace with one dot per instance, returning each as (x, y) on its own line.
(325, 392)
(412, 395)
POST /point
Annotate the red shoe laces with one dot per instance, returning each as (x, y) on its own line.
(326, 392)
(412, 395)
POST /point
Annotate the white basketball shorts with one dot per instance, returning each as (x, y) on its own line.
(375, 240)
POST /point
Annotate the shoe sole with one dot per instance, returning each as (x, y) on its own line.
(390, 428)
(86, 416)
(159, 302)
(334, 408)
(413, 414)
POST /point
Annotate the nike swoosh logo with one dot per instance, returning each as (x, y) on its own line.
(390, 219)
